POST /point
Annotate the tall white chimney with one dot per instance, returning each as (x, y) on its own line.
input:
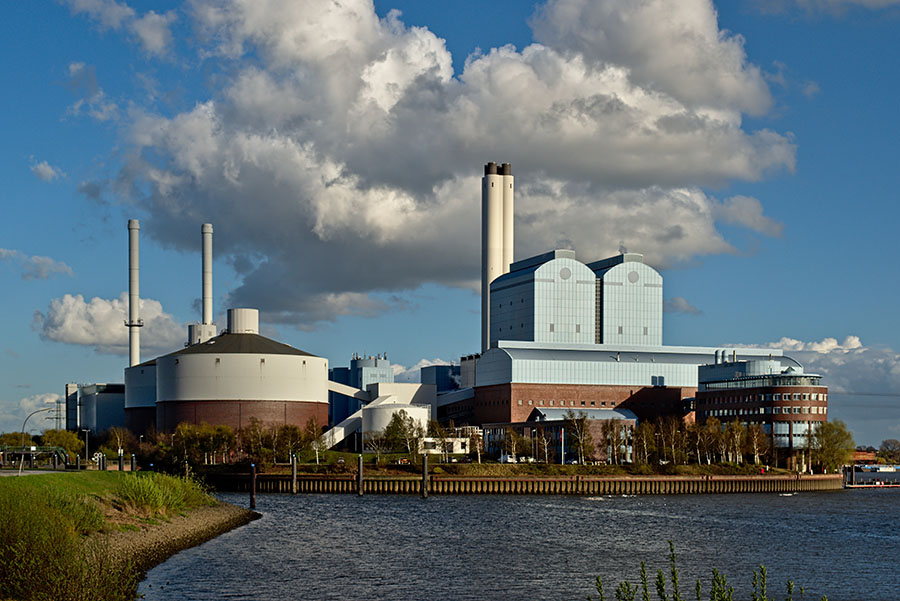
(492, 241)
(508, 213)
(199, 333)
(134, 322)
(206, 231)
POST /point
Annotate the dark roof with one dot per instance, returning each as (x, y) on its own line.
(241, 344)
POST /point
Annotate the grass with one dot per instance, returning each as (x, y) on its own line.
(46, 552)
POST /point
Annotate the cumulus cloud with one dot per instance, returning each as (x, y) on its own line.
(412, 374)
(99, 323)
(678, 304)
(34, 267)
(151, 30)
(92, 99)
(46, 172)
(341, 154)
(13, 413)
(747, 212)
(848, 366)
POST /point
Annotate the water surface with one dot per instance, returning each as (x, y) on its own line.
(843, 544)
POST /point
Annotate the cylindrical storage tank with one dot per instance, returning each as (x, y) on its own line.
(376, 418)
(140, 397)
(235, 377)
(243, 321)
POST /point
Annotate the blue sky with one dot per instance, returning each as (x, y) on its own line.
(747, 148)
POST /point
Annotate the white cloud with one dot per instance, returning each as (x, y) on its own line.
(34, 267)
(679, 304)
(747, 212)
(343, 157)
(46, 172)
(92, 99)
(99, 323)
(848, 366)
(679, 51)
(13, 413)
(412, 374)
(151, 30)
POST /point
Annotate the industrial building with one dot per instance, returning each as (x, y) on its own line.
(363, 370)
(777, 395)
(561, 333)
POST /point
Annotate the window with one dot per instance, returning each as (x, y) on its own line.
(620, 329)
(541, 403)
(805, 396)
(530, 402)
(603, 403)
(551, 327)
(806, 410)
(777, 397)
(582, 403)
(578, 328)
(796, 396)
(776, 410)
(645, 330)
(592, 403)
(797, 410)
(815, 396)
(520, 402)
(551, 403)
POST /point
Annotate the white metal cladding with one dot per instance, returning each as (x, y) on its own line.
(236, 376)
(564, 302)
(631, 311)
(553, 303)
(243, 321)
(612, 365)
(377, 418)
(140, 386)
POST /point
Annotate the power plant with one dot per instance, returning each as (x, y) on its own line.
(557, 334)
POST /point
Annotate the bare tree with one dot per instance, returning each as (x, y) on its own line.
(476, 443)
(757, 441)
(644, 438)
(577, 427)
(670, 429)
(735, 435)
(613, 437)
(312, 437)
(545, 442)
(378, 443)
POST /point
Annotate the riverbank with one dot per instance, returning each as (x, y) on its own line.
(444, 484)
(91, 535)
(154, 543)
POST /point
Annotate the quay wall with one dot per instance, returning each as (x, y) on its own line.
(524, 485)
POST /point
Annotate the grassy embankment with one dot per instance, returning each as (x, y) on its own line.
(53, 528)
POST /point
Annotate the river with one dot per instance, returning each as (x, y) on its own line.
(844, 544)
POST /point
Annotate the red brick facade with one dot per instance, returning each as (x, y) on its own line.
(139, 419)
(237, 414)
(505, 403)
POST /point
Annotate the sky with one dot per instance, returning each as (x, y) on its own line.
(746, 148)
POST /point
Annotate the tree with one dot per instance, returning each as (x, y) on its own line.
(408, 431)
(312, 437)
(580, 433)
(290, 439)
(889, 450)
(669, 429)
(514, 444)
(439, 432)
(613, 439)
(832, 445)
(476, 443)
(377, 442)
(735, 434)
(14, 439)
(644, 439)
(65, 439)
(545, 442)
(757, 441)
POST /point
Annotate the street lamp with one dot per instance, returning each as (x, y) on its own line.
(86, 455)
(22, 458)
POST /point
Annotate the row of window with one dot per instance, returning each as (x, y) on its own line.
(776, 396)
(766, 411)
(570, 403)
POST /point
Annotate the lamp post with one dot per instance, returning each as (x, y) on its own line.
(87, 460)
(22, 458)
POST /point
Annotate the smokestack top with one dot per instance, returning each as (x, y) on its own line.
(134, 224)
(505, 169)
(490, 168)
(206, 228)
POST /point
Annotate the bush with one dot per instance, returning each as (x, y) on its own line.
(152, 493)
(43, 556)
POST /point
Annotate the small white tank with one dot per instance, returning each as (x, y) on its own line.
(377, 418)
(243, 321)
